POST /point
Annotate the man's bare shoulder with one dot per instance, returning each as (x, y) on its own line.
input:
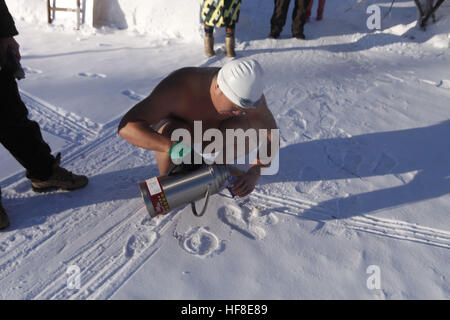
(173, 96)
(185, 83)
(177, 81)
(176, 84)
(188, 73)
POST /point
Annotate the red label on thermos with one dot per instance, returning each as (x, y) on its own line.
(157, 195)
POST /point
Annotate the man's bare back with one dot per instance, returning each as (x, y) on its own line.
(193, 99)
(184, 96)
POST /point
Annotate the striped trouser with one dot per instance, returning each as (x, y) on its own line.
(220, 13)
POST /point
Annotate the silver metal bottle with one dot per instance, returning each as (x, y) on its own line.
(167, 192)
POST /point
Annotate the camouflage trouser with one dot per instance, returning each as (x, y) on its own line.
(280, 12)
(220, 13)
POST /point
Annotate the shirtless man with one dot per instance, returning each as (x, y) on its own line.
(230, 97)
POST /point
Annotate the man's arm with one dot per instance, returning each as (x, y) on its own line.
(135, 125)
(259, 118)
(262, 118)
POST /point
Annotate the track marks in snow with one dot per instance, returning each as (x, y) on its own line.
(402, 230)
(61, 123)
(365, 223)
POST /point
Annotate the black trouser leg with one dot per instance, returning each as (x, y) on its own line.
(280, 11)
(21, 136)
(299, 16)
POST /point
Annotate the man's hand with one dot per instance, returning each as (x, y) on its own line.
(5, 45)
(245, 183)
(185, 157)
(179, 151)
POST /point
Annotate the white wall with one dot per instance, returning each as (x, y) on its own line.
(28, 10)
(167, 18)
(158, 18)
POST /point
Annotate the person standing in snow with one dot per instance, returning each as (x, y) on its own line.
(21, 136)
(320, 9)
(224, 98)
(220, 13)
(280, 12)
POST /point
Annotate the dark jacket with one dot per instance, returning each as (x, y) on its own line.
(7, 27)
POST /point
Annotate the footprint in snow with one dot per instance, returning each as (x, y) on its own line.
(132, 95)
(296, 93)
(333, 228)
(249, 221)
(91, 75)
(309, 180)
(384, 165)
(327, 122)
(352, 161)
(292, 119)
(151, 222)
(201, 242)
(138, 243)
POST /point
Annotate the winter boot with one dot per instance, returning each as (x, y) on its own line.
(299, 36)
(60, 179)
(274, 34)
(4, 221)
(229, 45)
(209, 45)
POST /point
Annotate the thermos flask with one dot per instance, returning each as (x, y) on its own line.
(173, 190)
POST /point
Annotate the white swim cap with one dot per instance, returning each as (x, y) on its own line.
(241, 80)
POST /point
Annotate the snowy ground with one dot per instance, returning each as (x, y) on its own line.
(363, 181)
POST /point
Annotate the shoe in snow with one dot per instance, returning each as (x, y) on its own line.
(60, 179)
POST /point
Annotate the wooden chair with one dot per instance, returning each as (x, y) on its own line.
(51, 11)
